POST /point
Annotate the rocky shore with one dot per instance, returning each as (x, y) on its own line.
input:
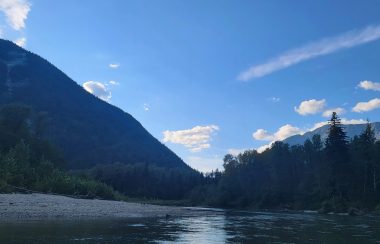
(45, 207)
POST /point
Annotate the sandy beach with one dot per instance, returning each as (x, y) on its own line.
(44, 206)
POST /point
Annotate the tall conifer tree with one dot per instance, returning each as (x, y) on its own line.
(336, 147)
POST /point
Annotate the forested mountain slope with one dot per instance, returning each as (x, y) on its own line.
(88, 130)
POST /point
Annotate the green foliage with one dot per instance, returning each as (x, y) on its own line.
(330, 176)
(27, 162)
(148, 181)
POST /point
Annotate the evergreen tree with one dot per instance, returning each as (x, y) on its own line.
(367, 141)
(336, 148)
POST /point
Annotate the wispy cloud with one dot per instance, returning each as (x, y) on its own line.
(313, 50)
(196, 139)
(146, 107)
(274, 99)
(114, 66)
(114, 83)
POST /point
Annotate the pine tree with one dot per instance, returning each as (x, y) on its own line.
(336, 147)
(367, 141)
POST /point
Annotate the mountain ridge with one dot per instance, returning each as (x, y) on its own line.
(351, 130)
(88, 130)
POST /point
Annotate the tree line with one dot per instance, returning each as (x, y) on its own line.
(330, 175)
(333, 175)
(31, 163)
(28, 161)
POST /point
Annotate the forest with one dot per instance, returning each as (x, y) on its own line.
(29, 163)
(331, 176)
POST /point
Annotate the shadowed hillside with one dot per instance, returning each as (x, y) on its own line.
(88, 130)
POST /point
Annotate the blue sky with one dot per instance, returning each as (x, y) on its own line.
(212, 77)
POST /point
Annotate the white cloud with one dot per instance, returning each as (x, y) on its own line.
(369, 85)
(16, 12)
(20, 42)
(146, 107)
(313, 50)
(310, 107)
(115, 83)
(282, 133)
(98, 89)
(286, 131)
(114, 66)
(327, 113)
(196, 139)
(262, 135)
(367, 106)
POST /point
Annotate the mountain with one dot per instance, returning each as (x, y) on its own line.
(351, 130)
(88, 130)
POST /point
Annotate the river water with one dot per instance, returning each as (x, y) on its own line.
(218, 227)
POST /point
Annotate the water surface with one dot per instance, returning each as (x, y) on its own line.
(219, 227)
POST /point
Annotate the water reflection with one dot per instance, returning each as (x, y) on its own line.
(222, 227)
(206, 229)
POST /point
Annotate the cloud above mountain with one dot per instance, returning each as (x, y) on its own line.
(312, 106)
(98, 89)
(16, 13)
(20, 41)
(282, 133)
(288, 130)
(195, 139)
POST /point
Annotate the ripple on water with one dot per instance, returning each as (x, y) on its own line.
(137, 225)
(231, 228)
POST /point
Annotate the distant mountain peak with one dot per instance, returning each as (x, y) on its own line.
(352, 130)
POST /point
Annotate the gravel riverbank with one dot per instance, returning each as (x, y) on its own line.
(44, 207)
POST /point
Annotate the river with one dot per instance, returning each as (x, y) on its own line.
(219, 227)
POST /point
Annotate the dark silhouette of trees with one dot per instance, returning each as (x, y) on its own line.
(330, 175)
(336, 150)
(30, 163)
